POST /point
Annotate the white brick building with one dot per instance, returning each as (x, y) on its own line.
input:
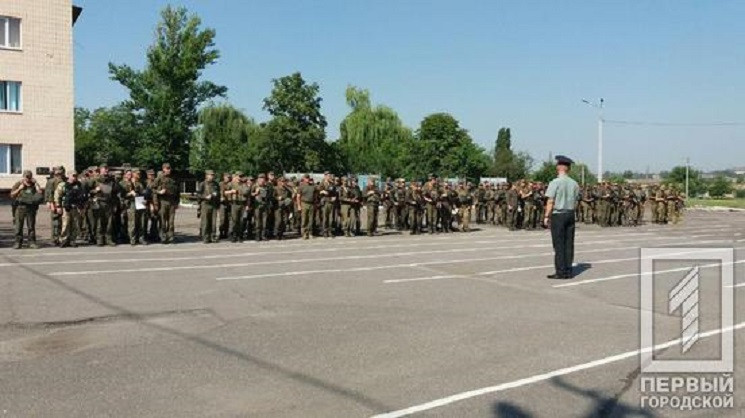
(36, 86)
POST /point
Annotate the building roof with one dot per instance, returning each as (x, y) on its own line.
(76, 11)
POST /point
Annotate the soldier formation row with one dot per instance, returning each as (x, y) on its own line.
(104, 209)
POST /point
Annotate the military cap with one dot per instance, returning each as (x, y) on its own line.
(262, 176)
(239, 174)
(28, 174)
(306, 176)
(209, 172)
(72, 173)
(271, 173)
(166, 165)
(150, 171)
(103, 165)
(250, 178)
(92, 168)
(563, 160)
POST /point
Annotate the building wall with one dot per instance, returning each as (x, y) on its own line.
(44, 66)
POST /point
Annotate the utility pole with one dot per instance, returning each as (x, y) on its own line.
(599, 106)
(688, 163)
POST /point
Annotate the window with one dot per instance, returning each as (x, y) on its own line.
(10, 159)
(10, 32)
(10, 96)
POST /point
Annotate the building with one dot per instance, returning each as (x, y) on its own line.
(36, 87)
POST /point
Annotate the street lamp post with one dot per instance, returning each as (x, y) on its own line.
(599, 106)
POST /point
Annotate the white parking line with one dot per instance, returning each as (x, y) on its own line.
(315, 249)
(432, 263)
(339, 258)
(437, 403)
(623, 276)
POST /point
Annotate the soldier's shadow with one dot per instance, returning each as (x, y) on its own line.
(580, 268)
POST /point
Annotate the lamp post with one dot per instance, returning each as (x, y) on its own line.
(599, 106)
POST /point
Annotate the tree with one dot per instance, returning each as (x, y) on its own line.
(442, 147)
(104, 136)
(167, 93)
(372, 139)
(222, 140)
(677, 178)
(294, 140)
(547, 172)
(719, 187)
(628, 174)
(505, 162)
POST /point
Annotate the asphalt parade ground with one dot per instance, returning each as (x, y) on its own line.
(450, 325)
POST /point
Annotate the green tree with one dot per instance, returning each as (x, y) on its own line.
(372, 139)
(507, 163)
(442, 147)
(547, 172)
(677, 178)
(294, 140)
(222, 140)
(719, 187)
(167, 93)
(104, 136)
(628, 174)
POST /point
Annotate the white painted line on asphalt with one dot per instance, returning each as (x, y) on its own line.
(739, 285)
(431, 263)
(487, 235)
(226, 254)
(438, 403)
(623, 276)
(339, 258)
(419, 279)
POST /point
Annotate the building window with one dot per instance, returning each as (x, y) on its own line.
(10, 96)
(10, 32)
(10, 159)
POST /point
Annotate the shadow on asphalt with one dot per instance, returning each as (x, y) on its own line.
(581, 268)
(139, 318)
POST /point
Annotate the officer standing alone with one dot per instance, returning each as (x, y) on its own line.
(562, 196)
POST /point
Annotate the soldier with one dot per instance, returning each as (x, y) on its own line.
(283, 198)
(70, 198)
(58, 176)
(414, 201)
(501, 205)
(372, 202)
(28, 195)
(262, 204)
(346, 199)
(671, 203)
(169, 198)
(327, 194)
(224, 212)
(431, 198)
(306, 200)
(480, 203)
(86, 218)
(660, 205)
(588, 202)
(445, 207)
(238, 194)
(529, 210)
(150, 227)
(512, 198)
(103, 190)
(491, 203)
(134, 198)
(465, 202)
(208, 195)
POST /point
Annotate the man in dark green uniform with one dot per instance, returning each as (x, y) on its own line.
(328, 195)
(70, 199)
(224, 213)
(307, 196)
(431, 197)
(372, 202)
(103, 190)
(134, 202)
(283, 207)
(512, 197)
(27, 194)
(208, 195)
(169, 198)
(262, 203)
(58, 176)
(414, 201)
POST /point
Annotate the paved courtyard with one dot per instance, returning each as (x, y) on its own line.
(457, 325)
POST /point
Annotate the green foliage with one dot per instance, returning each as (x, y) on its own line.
(628, 174)
(547, 172)
(294, 140)
(677, 178)
(372, 139)
(222, 140)
(104, 136)
(505, 163)
(167, 93)
(443, 148)
(719, 187)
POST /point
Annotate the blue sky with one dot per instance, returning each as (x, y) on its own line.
(522, 64)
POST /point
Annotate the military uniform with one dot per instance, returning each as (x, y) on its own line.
(465, 202)
(208, 194)
(283, 197)
(307, 196)
(169, 198)
(27, 194)
(70, 197)
(54, 214)
(372, 202)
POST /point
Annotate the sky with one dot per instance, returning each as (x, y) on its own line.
(521, 64)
